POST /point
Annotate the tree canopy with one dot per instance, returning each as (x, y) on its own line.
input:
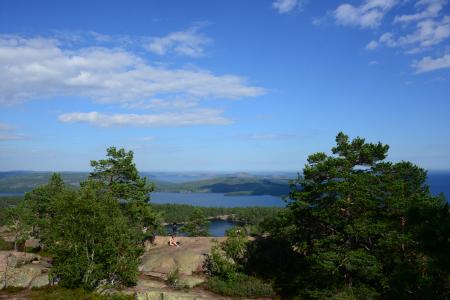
(358, 226)
(95, 233)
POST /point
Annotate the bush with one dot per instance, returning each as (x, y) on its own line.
(4, 245)
(217, 264)
(173, 278)
(240, 286)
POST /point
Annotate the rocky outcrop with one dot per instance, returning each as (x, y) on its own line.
(23, 270)
(160, 260)
(188, 258)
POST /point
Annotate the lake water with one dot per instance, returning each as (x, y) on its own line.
(215, 200)
(216, 228)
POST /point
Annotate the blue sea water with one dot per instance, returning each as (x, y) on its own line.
(439, 182)
(216, 200)
(215, 228)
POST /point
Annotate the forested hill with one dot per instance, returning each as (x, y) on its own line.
(230, 184)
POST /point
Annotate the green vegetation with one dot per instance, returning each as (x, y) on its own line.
(358, 228)
(10, 201)
(93, 233)
(180, 213)
(59, 293)
(242, 286)
(231, 186)
(18, 220)
(21, 182)
(173, 279)
(5, 245)
(226, 267)
(197, 224)
(91, 240)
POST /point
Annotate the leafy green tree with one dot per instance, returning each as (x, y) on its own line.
(39, 202)
(90, 239)
(95, 233)
(197, 225)
(119, 175)
(18, 220)
(359, 227)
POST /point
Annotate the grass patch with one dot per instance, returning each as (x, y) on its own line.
(12, 289)
(59, 293)
(240, 286)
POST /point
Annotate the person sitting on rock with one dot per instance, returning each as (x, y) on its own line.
(172, 241)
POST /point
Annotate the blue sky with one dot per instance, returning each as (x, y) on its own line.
(221, 85)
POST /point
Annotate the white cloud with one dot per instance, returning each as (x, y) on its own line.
(367, 15)
(428, 64)
(161, 104)
(174, 119)
(285, 6)
(428, 33)
(189, 42)
(373, 63)
(34, 68)
(429, 9)
(372, 45)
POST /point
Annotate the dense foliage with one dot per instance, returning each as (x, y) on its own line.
(242, 286)
(94, 233)
(180, 213)
(197, 224)
(226, 266)
(359, 227)
(90, 239)
(10, 201)
(120, 176)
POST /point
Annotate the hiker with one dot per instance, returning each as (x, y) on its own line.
(172, 241)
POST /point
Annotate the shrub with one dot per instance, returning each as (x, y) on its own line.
(240, 286)
(173, 278)
(217, 264)
(4, 245)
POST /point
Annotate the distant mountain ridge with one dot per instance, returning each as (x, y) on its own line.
(276, 184)
(229, 184)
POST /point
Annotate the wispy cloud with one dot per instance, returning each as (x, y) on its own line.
(427, 33)
(428, 64)
(426, 9)
(189, 42)
(34, 68)
(367, 15)
(425, 29)
(162, 104)
(175, 119)
(372, 45)
(9, 133)
(285, 6)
